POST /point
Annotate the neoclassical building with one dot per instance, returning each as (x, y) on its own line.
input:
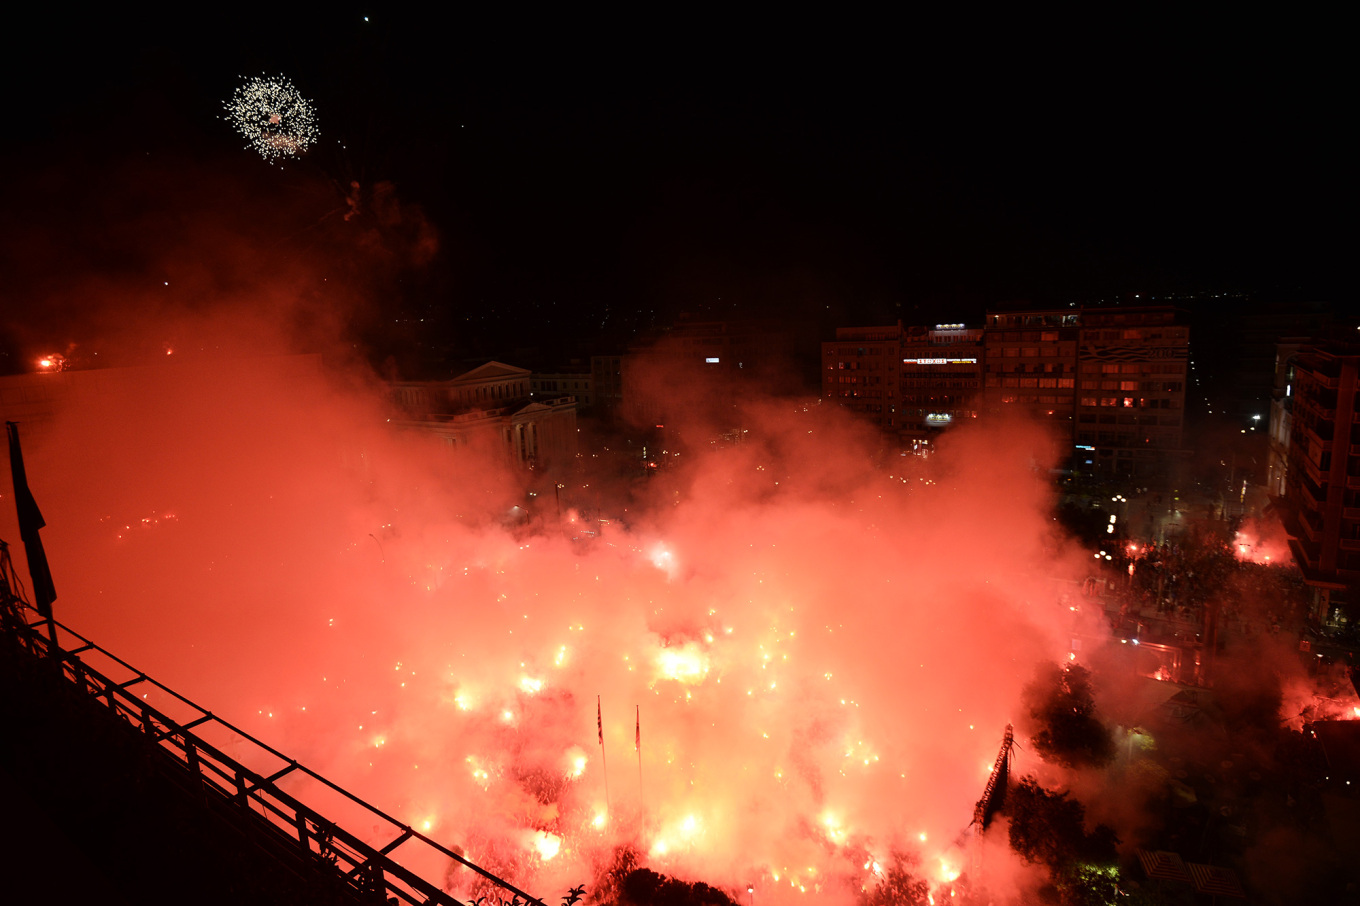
(491, 403)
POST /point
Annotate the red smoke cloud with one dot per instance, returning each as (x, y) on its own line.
(818, 647)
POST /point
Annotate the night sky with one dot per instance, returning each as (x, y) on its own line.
(532, 181)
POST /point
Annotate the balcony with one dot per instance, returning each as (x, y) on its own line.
(1312, 471)
(1326, 380)
(1320, 431)
(1303, 555)
(1315, 407)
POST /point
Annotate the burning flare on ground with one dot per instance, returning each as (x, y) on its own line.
(798, 679)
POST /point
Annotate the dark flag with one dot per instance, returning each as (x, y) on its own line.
(599, 720)
(637, 731)
(30, 520)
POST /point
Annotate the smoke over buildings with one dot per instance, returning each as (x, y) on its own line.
(814, 648)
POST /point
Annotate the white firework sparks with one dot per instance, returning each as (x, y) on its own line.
(273, 117)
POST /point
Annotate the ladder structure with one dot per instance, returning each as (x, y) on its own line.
(994, 795)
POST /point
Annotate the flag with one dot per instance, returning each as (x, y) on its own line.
(30, 520)
(599, 721)
(637, 731)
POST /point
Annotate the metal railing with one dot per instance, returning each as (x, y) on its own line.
(369, 870)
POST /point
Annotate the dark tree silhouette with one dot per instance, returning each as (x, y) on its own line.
(1048, 828)
(1066, 731)
(644, 887)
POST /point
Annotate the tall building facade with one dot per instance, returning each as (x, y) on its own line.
(1110, 382)
(860, 372)
(940, 378)
(1282, 414)
(1131, 383)
(910, 381)
(1031, 364)
(1322, 479)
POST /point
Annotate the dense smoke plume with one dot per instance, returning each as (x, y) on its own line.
(817, 642)
(818, 647)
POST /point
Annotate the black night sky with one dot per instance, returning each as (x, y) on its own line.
(583, 179)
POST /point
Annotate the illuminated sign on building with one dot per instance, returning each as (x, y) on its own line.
(711, 360)
(939, 418)
(972, 361)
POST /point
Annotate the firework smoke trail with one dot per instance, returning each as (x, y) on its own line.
(273, 116)
(829, 650)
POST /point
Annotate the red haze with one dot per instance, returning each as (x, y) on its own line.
(824, 644)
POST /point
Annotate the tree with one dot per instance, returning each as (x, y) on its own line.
(645, 887)
(898, 885)
(1062, 707)
(1048, 828)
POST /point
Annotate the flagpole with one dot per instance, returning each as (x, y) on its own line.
(604, 765)
(637, 744)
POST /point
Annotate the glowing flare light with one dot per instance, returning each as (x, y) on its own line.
(688, 664)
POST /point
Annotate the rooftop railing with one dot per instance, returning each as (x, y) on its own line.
(371, 870)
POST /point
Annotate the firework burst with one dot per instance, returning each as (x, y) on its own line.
(273, 117)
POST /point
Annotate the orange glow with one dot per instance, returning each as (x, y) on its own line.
(1261, 542)
(547, 845)
(798, 672)
(687, 664)
(576, 762)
